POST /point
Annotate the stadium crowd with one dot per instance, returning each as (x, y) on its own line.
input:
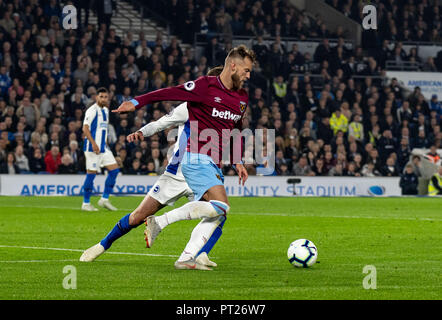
(399, 20)
(327, 122)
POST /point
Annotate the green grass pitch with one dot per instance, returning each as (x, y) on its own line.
(400, 237)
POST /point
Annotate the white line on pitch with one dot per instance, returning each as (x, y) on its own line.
(33, 261)
(335, 216)
(46, 207)
(79, 250)
(261, 214)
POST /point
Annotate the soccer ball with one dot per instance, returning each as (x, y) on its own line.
(302, 253)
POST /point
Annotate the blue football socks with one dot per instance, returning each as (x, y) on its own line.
(120, 229)
(88, 187)
(110, 182)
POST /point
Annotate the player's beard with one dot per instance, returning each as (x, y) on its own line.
(102, 104)
(236, 82)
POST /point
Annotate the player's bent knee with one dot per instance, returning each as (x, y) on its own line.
(220, 207)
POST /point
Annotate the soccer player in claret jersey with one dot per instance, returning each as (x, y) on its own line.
(216, 103)
(170, 187)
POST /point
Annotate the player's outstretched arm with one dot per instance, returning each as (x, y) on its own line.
(193, 91)
(126, 106)
(176, 117)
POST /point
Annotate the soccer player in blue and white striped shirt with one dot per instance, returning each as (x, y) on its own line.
(96, 151)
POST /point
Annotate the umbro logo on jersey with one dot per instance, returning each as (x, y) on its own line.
(217, 99)
(225, 115)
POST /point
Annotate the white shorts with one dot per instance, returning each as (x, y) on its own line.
(168, 189)
(95, 161)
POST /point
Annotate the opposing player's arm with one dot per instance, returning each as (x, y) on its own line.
(176, 117)
(191, 91)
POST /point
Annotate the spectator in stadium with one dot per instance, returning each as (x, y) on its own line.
(403, 154)
(325, 131)
(356, 129)
(429, 65)
(156, 158)
(435, 105)
(29, 110)
(374, 158)
(280, 160)
(279, 88)
(3, 151)
(329, 160)
(358, 162)
(136, 169)
(421, 141)
(337, 170)
(52, 159)
(150, 169)
(21, 160)
(404, 112)
(386, 145)
(7, 23)
(351, 170)
(67, 165)
(9, 166)
(338, 122)
(435, 184)
(369, 170)
(301, 168)
(323, 51)
(319, 169)
(81, 73)
(390, 169)
(36, 162)
(409, 181)
(54, 140)
(284, 170)
(76, 155)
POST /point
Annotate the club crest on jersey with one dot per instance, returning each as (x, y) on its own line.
(242, 106)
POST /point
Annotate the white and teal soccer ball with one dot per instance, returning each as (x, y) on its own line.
(302, 253)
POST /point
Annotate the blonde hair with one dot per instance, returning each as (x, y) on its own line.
(241, 52)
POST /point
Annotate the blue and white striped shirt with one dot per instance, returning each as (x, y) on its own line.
(98, 120)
